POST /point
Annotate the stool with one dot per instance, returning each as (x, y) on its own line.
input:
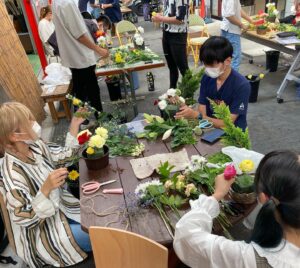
(59, 94)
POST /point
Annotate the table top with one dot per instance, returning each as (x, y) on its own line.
(125, 9)
(139, 66)
(146, 222)
(269, 40)
(60, 90)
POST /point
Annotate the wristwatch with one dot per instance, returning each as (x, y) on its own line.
(200, 116)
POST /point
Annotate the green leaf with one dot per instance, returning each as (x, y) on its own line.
(164, 170)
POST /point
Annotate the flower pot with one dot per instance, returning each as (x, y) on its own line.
(169, 112)
(114, 89)
(245, 198)
(97, 163)
(261, 31)
(73, 188)
(254, 83)
(272, 58)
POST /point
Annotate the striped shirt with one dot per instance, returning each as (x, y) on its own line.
(40, 230)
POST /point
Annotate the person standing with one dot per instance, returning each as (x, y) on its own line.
(112, 10)
(78, 51)
(232, 26)
(175, 23)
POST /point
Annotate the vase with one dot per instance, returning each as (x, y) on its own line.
(169, 112)
(97, 163)
(73, 188)
(114, 89)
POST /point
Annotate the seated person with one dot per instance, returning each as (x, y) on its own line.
(45, 217)
(46, 28)
(221, 84)
(275, 240)
(104, 23)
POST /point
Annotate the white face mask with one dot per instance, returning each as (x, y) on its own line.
(213, 72)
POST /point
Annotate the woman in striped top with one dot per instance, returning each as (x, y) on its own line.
(40, 210)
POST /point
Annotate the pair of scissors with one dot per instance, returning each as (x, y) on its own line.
(93, 186)
(204, 123)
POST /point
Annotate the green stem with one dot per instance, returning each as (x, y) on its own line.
(165, 219)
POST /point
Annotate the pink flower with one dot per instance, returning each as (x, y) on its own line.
(229, 172)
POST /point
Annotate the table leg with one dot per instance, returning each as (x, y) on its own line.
(67, 109)
(53, 112)
(135, 109)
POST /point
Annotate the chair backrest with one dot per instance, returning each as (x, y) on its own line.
(116, 248)
(196, 20)
(125, 27)
(6, 218)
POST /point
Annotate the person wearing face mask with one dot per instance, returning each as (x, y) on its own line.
(43, 216)
(275, 240)
(220, 83)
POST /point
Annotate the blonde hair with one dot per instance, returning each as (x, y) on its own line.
(13, 115)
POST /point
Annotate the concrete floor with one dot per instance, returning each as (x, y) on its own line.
(272, 126)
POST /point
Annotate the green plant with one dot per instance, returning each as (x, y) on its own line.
(234, 136)
(219, 158)
(262, 27)
(189, 84)
(243, 184)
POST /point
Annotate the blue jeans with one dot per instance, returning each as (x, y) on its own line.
(81, 237)
(235, 40)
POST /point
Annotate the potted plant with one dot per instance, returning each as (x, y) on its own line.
(169, 103)
(138, 40)
(95, 152)
(242, 190)
(272, 12)
(114, 87)
(261, 29)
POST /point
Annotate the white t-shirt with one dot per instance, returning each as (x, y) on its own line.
(231, 8)
(46, 28)
(69, 26)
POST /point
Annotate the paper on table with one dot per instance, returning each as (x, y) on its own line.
(49, 89)
(136, 126)
(288, 40)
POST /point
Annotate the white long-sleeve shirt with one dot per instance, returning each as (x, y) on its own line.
(197, 247)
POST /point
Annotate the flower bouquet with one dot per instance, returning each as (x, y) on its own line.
(138, 40)
(95, 153)
(169, 103)
(272, 12)
(242, 190)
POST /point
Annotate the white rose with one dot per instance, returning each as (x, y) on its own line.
(275, 12)
(141, 29)
(163, 97)
(139, 41)
(137, 35)
(171, 92)
(101, 39)
(162, 104)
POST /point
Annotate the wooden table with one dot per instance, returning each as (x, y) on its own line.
(269, 40)
(146, 222)
(128, 69)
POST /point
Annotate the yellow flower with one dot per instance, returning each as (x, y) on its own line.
(168, 184)
(261, 76)
(90, 150)
(154, 14)
(190, 189)
(73, 175)
(118, 58)
(181, 177)
(101, 131)
(76, 102)
(96, 141)
(246, 166)
(249, 76)
(179, 185)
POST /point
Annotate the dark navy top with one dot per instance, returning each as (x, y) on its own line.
(234, 92)
(114, 12)
(82, 4)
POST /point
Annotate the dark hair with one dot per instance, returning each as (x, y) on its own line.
(215, 49)
(86, 15)
(277, 176)
(44, 11)
(106, 21)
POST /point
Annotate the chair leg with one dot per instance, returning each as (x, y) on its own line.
(67, 109)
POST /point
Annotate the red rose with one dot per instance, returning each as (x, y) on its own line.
(84, 137)
(229, 172)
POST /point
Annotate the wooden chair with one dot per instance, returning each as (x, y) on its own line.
(116, 248)
(126, 29)
(197, 35)
(59, 94)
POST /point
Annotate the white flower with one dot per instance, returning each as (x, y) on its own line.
(167, 134)
(190, 189)
(181, 177)
(171, 92)
(181, 99)
(198, 159)
(141, 29)
(163, 97)
(139, 41)
(168, 184)
(141, 190)
(197, 162)
(275, 12)
(137, 35)
(162, 104)
(101, 40)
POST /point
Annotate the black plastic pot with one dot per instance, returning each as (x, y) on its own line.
(272, 58)
(254, 83)
(114, 90)
(169, 112)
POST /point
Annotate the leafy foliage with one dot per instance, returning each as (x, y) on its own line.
(234, 136)
(189, 84)
(219, 158)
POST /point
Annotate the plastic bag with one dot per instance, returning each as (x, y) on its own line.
(57, 75)
(239, 154)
